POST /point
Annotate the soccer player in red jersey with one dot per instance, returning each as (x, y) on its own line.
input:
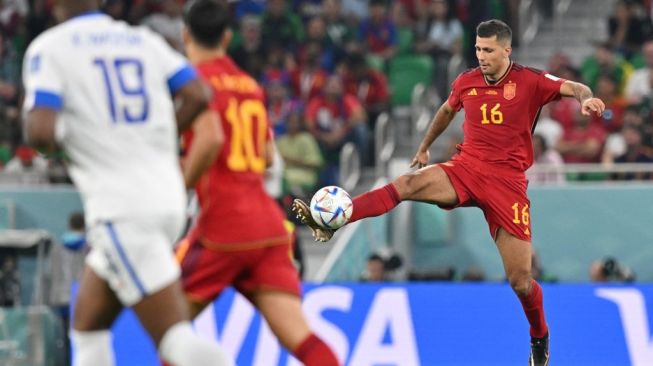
(502, 100)
(239, 238)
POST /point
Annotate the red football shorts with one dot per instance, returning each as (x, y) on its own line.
(207, 272)
(500, 193)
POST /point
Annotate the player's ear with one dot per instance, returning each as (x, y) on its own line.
(226, 38)
(185, 36)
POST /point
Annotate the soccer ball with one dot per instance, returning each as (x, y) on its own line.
(331, 207)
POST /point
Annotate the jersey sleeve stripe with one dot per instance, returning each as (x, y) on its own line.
(47, 99)
(181, 78)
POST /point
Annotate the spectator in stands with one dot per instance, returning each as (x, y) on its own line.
(9, 282)
(307, 9)
(440, 35)
(9, 74)
(281, 26)
(38, 19)
(545, 158)
(114, 8)
(610, 270)
(635, 153)
(308, 78)
(250, 54)
(301, 155)
(605, 60)
(339, 32)
(10, 130)
(558, 63)
(167, 22)
(369, 85)
(378, 32)
(612, 117)
(374, 269)
(615, 144)
(355, 10)
(57, 169)
(66, 265)
(381, 265)
(413, 10)
(279, 102)
(335, 118)
(27, 160)
(547, 127)
(249, 7)
(628, 27)
(330, 53)
(537, 270)
(639, 84)
(473, 274)
(12, 14)
(582, 143)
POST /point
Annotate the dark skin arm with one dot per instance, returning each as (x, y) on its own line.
(191, 99)
(39, 127)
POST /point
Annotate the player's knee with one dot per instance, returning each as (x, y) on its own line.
(520, 283)
(406, 185)
(181, 346)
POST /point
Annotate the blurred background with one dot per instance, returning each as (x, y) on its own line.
(351, 88)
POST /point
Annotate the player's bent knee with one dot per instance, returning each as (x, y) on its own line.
(409, 185)
(520, 283)
(182, 347)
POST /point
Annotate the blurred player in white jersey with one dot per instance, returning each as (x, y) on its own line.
(104, 92)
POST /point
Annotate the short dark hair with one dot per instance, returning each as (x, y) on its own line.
(206, 21)
(494, 27)
(76, 221)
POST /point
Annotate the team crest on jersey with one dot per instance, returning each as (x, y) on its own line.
(509, 90)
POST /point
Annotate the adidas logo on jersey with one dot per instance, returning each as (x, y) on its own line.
(472, 92)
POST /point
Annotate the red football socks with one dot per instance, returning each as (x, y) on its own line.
(314, 352)
(534, 310)
(375, 203)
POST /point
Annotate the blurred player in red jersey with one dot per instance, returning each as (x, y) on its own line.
(239, 238)
(502, 101)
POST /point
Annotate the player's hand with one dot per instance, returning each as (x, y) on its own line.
(421, 159)
(592, 105)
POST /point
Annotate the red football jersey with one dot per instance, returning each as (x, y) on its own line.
(500, 117)
(235, 210)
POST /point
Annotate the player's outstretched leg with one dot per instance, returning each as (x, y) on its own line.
(373, 203)
(303, 213)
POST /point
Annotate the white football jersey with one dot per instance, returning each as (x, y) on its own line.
(112, 85)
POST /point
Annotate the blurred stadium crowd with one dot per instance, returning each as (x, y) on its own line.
(330, 67)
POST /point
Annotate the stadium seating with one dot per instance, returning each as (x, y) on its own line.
(404, 73)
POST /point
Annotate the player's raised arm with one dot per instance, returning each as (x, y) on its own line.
(440, 122)
(584, 95)
(192, 99)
